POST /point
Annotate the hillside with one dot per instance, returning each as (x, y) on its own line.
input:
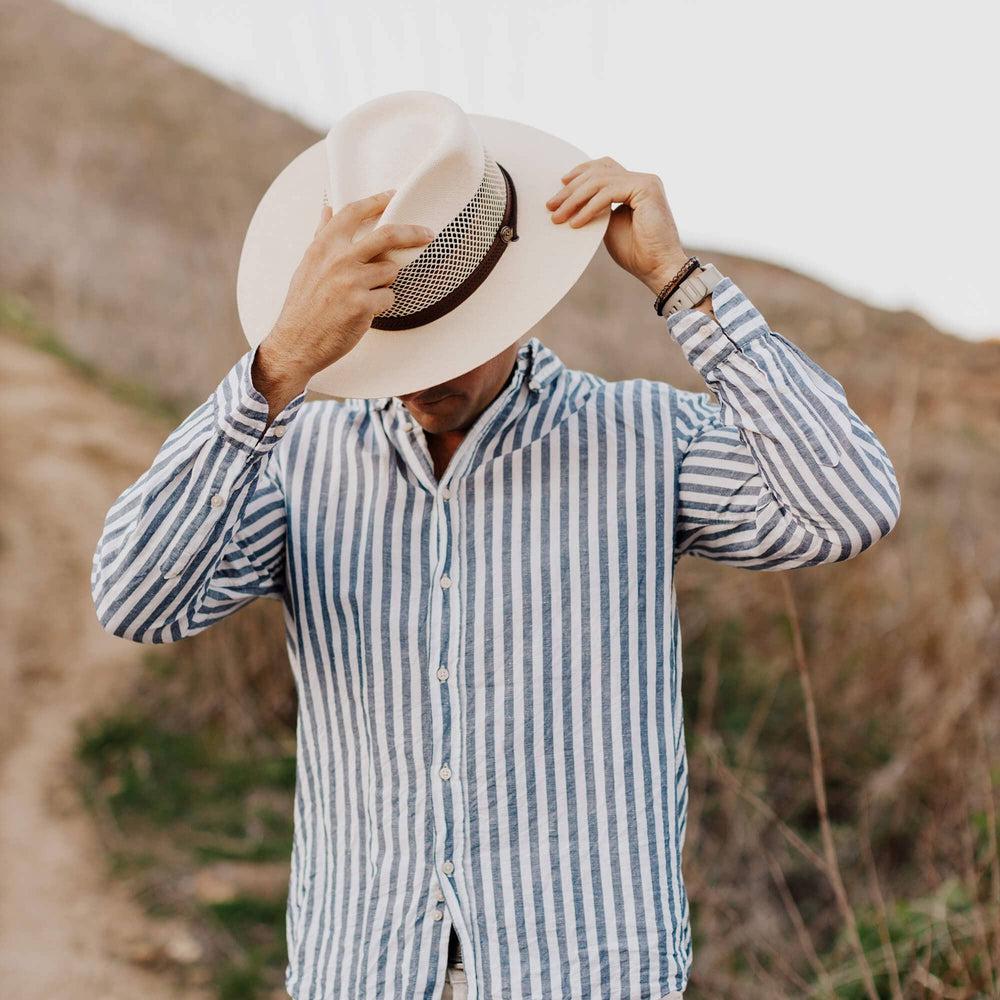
(126, 185)
(64, 929)
(128, 180)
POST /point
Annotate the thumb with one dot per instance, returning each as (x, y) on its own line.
(326, 213)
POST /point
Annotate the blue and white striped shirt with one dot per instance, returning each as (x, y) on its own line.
(490, 730)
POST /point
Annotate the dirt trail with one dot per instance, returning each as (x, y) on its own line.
(66, 450)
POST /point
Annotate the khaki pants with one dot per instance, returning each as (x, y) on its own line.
(456, 987)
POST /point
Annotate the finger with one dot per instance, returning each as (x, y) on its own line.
(380, 273)
(577, 170)
(592, 170)
(381, 299)
(577, 197)
(601, 198)
(602, 163)
(616, 191)
(391, 237)
(560, 196)
(593, 207)
(570, 184)
(347, 220)
(326, 213)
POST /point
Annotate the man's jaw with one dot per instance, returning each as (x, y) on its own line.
(434, 409)
(428, 399)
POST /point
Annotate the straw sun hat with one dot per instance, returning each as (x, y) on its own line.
(497, 265)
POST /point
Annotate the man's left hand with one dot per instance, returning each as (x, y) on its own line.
(642, 235)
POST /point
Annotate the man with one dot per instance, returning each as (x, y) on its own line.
(479, 596)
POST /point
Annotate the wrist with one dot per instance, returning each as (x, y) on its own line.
(665, 269)
(274, 378)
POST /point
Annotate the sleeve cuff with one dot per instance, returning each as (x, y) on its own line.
(706, 341)
(241, 409)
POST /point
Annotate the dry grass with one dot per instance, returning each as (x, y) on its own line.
(843, 723)
(852, 831)
(843, 720)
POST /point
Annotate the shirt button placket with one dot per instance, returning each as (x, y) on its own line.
(446, 601)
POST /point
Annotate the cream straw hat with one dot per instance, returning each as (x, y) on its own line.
(497, 265)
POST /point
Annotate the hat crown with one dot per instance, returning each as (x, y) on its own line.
(496, 266)
(418, 142)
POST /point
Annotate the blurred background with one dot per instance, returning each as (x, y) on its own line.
(843, 721)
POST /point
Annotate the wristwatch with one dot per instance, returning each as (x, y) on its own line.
(693, 289)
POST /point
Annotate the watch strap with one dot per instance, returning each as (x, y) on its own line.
(671, 286)
(692, 289)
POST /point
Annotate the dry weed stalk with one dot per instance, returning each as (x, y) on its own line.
(795, 916)
(992, 956)
(978, 927)
(875, 888)
(733, 783)
(819, 786)
(703, 732)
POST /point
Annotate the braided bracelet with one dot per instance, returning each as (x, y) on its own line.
(688, 267)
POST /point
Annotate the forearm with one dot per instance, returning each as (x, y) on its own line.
(783, 443)
(165, 536)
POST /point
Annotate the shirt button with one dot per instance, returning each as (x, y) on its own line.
(445, 772)
(442, 673)
(447, 868)
(439, 895)
(438, 914)
(446, 581)
(216, 500)
(533, 385)
(406, 426)
(445, 493)
(279, 431)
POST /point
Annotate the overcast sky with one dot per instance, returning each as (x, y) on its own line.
(853, 141)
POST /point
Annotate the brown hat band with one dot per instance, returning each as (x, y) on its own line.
(505, 235)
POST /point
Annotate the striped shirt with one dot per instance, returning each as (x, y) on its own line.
(488, 666)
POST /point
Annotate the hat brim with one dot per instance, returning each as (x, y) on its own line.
(531, 276)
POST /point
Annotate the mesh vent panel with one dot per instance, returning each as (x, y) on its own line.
(456, 250)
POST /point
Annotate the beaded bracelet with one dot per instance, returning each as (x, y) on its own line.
(688, 267)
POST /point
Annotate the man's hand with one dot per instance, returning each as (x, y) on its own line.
(337, 289)
(642, 235)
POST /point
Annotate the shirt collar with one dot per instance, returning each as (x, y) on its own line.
(538, 364)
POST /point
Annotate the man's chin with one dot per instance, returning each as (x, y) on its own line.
(438, 424)
(437, 416)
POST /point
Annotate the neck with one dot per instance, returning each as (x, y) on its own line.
(443, 444)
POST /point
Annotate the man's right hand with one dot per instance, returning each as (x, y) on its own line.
(337, 289)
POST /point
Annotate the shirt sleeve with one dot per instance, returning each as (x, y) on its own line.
(202, 531)
(779, 472)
